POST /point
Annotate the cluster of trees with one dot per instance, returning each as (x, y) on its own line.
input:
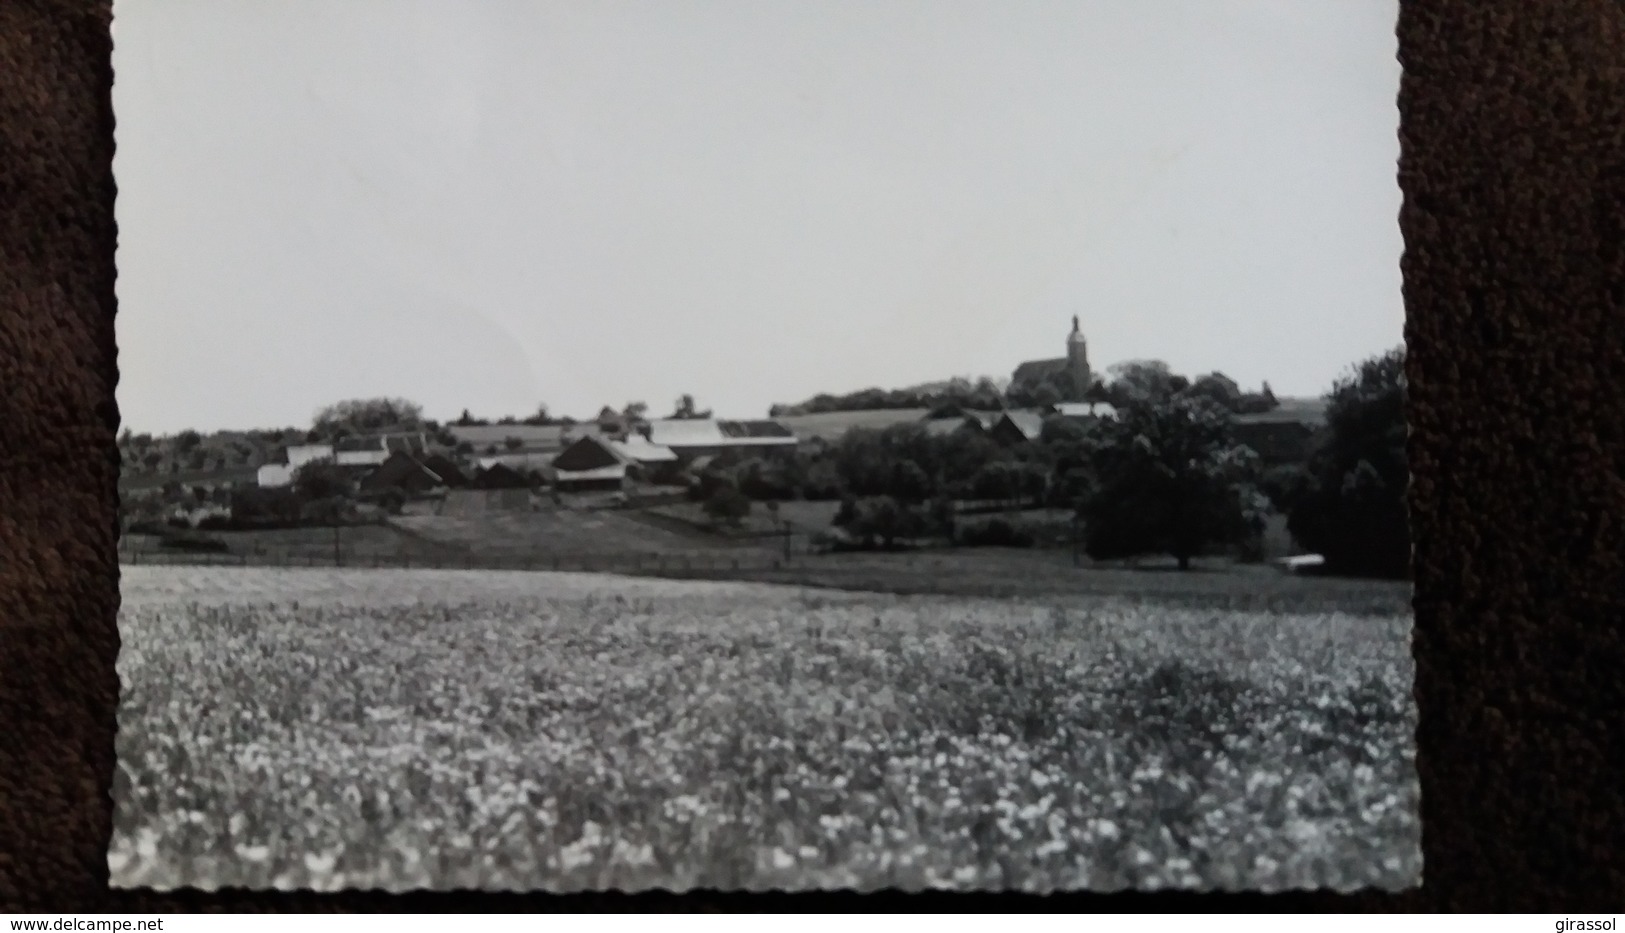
(982, 393)
(320, 494)
(1141, 382)
(192, 451)
(1171, 478)
(368, 416)
(1128, 381)
(684, 408)
(542, 416)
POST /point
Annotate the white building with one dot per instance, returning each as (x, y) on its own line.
(297, 455)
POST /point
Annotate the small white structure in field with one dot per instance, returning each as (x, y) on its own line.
(281, 473)
(1301, 563)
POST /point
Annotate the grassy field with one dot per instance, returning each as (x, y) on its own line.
(805, 517)
(357, 543)
(552, 531)
(404, 729)
(1013, 573)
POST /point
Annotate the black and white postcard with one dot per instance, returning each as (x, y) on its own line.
(807, 444)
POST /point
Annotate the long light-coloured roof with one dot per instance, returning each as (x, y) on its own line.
(685, 432)
(679, 433)
(614, 471)
(639, 449)
(1310, 411)
(1029, 423)
(1085, 410)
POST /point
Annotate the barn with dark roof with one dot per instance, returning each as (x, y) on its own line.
(401, 471)
(590, 465)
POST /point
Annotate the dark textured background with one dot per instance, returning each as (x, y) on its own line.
(1513, 170)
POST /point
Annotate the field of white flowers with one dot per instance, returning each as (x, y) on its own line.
(441, 729)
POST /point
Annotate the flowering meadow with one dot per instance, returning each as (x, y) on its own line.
(402, 729)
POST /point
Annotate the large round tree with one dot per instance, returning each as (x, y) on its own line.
(1171, 480)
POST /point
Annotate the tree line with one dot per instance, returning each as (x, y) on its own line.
(1051, 388)
(1166, 475)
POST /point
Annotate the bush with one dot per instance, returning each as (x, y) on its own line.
(255, 506)
(192, 541)
(392, 500)
(883, 519)
(1284, 484)
(1250, 550)
(727, 505)
(820, 481)
(848, 511)
(764, 480)
(996, 532)
(335, 510)
(1173, 481)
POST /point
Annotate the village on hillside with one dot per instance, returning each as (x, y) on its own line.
(964, 466)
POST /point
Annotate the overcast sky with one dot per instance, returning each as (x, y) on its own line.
(488, 204)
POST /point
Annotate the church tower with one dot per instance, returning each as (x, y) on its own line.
(1077, 357)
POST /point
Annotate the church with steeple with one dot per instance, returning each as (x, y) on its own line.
(1074, 367)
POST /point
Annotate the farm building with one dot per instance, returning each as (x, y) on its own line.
(591, 464)
(1018, 426)
(444, 467)
(499, 476)
(1083, 410)
(498, 488)
(279, 472)
(688, 438)
(647, 462)
(1284, 434)
(360, 452)
(639, 450)
(522, 447)
(938, 427)
(596, 463)
(404, 472)
(952, 418)
(374, 449)
(534, 461)
(762, 428)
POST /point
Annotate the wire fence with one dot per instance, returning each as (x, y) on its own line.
(691, 562)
